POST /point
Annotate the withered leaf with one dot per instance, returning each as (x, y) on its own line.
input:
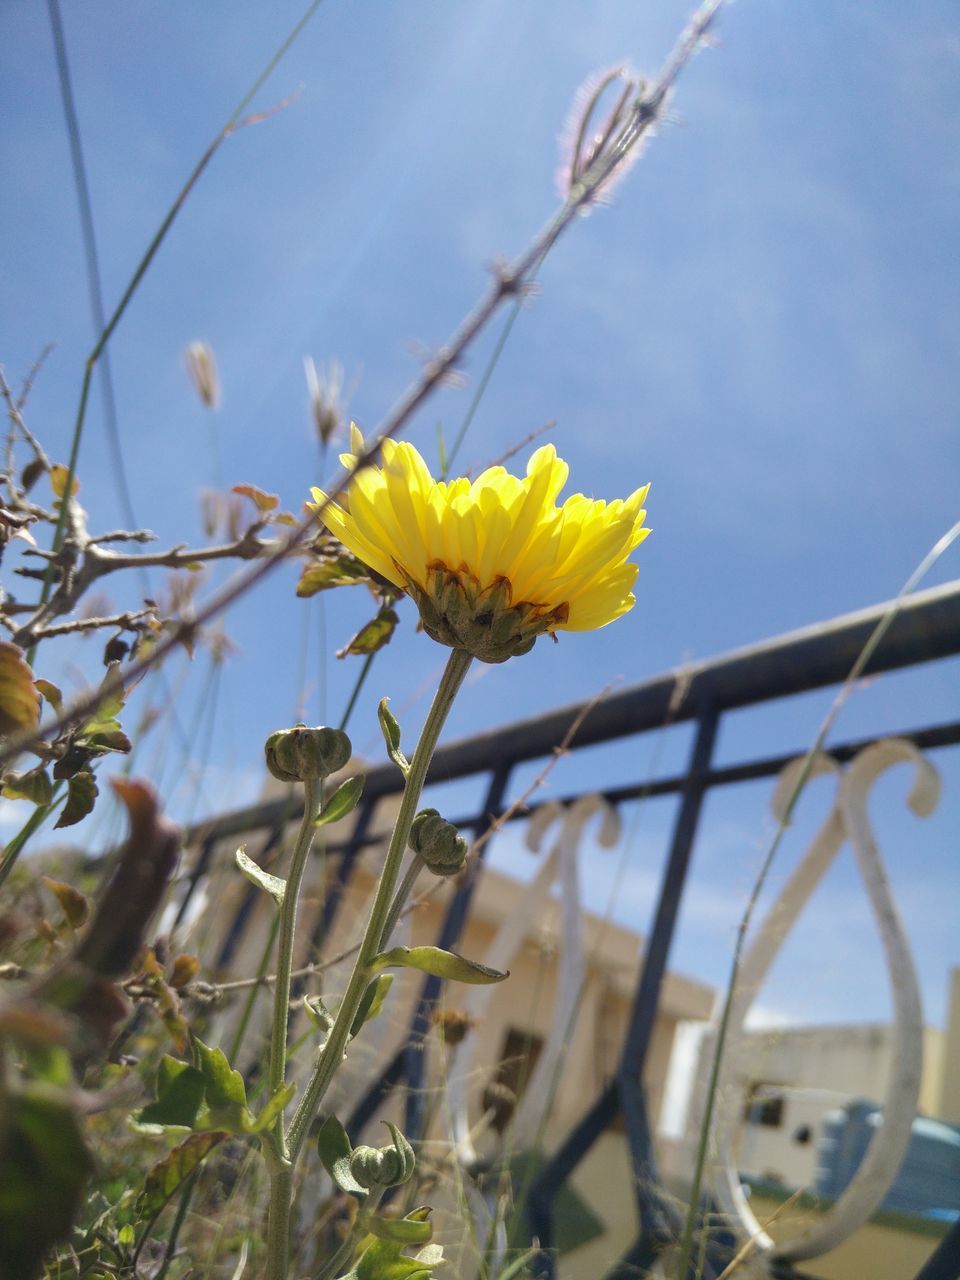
(19, 704)
(82, 792)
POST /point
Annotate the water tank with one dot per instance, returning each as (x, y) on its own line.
(928, 1180)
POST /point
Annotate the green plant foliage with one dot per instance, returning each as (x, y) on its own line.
(273, 885)
(442, 964)
(373, 635)
(35, 786)
(180, 1092)
(82, 792)
(170, 1173)
(382, 1259)
(344, 570)
(44, 1164)
(343, 801)
(390, 728)
(19, 704)
(371, 1002)
(334, 1149)
(73, 904)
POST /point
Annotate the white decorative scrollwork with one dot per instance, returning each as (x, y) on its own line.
(560, 866)
(847, 820)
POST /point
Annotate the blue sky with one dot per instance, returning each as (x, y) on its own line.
(764, 325)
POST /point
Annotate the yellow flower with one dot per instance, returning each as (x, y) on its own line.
(492, 563)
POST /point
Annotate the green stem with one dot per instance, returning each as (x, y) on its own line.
(13, 850)
(281, 1176)
(288, 924)
(396, 907)
(332, 1053)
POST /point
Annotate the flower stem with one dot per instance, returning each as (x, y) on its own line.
(281, 1174)
(332, 1053)
(396, 907)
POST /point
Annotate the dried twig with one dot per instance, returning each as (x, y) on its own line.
(509, 281)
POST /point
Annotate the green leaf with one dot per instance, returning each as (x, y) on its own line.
(82, 792)
(34, 786)
(344, 571)
(73, 904)
(170, 1173)
(390, 729)
(402, 1231)
(343, 801)
(334, 1150)
(274, 1107)
(225, 1092)
(19, 704)
(180, 1090)
(382, 1260)
(262, 879)
(371, 1002)
(50, 693)
(44, 1164)
(442, 964)
(318, 1013)
(373, 635)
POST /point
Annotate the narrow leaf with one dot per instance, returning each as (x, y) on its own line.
(442, 964)
(51, 693)
(371, 1002)
(263, 879)
(318, 1013)
(275, 1106)
(390, 729)
(343, 801)
(74, 905)
(82, 792)
(264, 501)
(170, 1173)
(373, 635)
(402, 1231)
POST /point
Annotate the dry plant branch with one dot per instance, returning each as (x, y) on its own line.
(508, 282)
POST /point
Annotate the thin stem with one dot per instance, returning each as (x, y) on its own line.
(396, 907)
(508, 283)
(288, 924)
(332, 1053)
(281, 1177)
(367, 664)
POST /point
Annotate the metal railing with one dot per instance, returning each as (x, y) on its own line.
(926, 628)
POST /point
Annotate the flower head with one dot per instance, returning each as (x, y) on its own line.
(491, 563)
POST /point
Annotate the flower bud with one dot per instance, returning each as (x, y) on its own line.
(384, 1166)
(439, 844)
(302, 754)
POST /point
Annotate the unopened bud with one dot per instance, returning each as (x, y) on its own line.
(439, 844)
(384, 1166)
(302, 754)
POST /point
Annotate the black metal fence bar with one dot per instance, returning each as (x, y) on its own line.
(927, 627)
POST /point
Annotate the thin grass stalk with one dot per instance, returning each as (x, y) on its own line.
(509, 282)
